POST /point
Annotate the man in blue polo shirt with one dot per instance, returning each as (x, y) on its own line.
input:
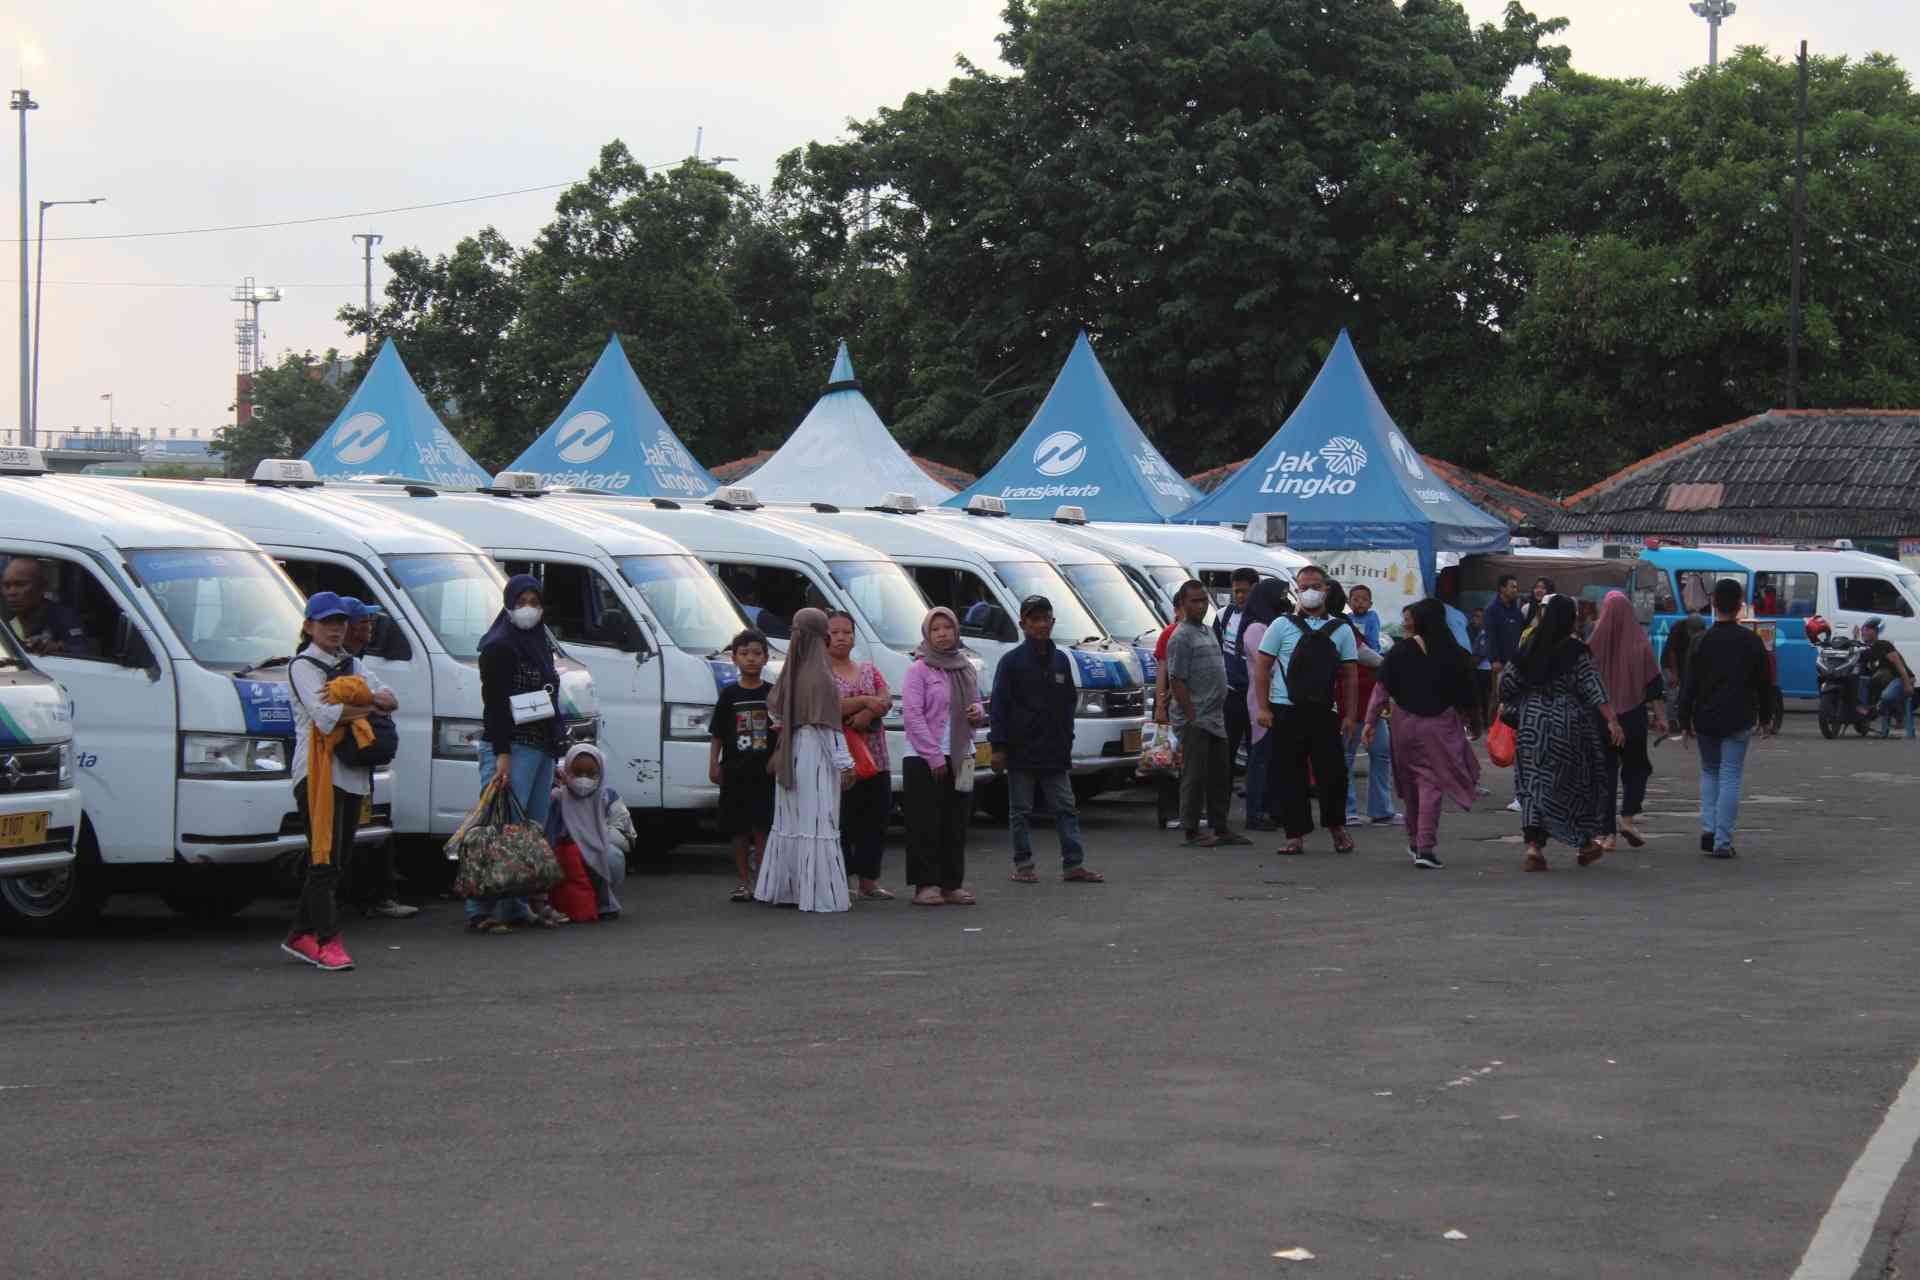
(1300, 659)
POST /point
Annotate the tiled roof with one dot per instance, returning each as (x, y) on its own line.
(1792, 474)
(741, 468)
(1520, 508)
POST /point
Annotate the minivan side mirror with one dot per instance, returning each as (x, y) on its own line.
(130, 648)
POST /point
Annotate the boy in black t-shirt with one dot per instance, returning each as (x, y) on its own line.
(743, 741)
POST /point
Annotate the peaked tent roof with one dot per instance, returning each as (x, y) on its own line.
(1348, 479)
(610, 436)
(842, 453)
(389, 429)
(1083, 447)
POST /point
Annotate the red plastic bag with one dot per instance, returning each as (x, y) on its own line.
(573, 896)
(1501, 744)
(863, 765)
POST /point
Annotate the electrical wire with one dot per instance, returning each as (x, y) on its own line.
(178, 284)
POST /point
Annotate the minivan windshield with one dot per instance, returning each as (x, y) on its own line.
(232, 609)
(11, 654)
(458, 595)
(689, 601)
(887, 599)
(1071, 621)
(1112, 597)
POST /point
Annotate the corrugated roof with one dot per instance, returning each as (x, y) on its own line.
(1520, 508)
(1788, 473)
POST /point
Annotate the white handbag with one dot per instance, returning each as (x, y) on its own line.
(531, 707)
(963, 767)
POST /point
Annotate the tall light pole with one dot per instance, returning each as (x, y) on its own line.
(371, 240)
(23, 102)
(1715, 12)
(39, 279)
(108, 397)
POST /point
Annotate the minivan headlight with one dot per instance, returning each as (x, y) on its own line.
(217, 755)
(689, 720)
(1092, 703)
(66, 764)
(458, 739)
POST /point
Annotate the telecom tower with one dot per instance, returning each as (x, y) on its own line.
(246, 337)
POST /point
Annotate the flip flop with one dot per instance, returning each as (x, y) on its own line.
(1024, 875)
(1080, 875)
(1342, 842)
(1292, 849)
(1591, 854)
(1536, 861)
(922, 899)
(877, 895)
(960, 898)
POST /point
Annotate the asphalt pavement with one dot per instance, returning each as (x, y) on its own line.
(1661, 1065)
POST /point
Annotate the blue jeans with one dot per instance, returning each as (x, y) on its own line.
(1896, 706)
(1257, 777)
(1021, 785)
(531, 778)
(1723, 765)
(1379, 773)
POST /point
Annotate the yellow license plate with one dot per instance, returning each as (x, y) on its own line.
(1130, 741)
(17, 829)
(366, 810)
(982, 754)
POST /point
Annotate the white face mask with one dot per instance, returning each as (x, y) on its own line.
(526, 617)
(1312, 598)
(583, 787)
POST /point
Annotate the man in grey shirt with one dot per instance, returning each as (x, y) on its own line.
(1197, 688)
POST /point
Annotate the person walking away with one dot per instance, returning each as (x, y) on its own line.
(1559, 764)
(1724, 695)
(804, 866)
(1380, 810)
(1624, 657)
(742, 744)
(327, 791)
(1482, 663)
(1887, 679)
(864, 810)
(1031, 718)
(1430, 684)
(1198, 694)
(1226, 633)
(370, 886)
(518, 746)
(591, 833)
(941, 708)
(1268, 601)
(1302, 656)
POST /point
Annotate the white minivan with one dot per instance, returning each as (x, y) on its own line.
(178, 683)
(437, 594)
(39, 800)
(983, 579)
(637, 609)
(773, 567)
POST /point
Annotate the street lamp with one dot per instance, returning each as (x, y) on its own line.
(108, 397)
(39, 279)
(1715, 12)
(22, 101)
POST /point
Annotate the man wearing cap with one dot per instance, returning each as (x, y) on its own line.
(370, 886)
(359, 625)
(1032, 739)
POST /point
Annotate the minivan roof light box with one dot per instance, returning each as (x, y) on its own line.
(897, 504)
(522, 484)
(985, 504)
(734, 497)
(22, 460)
(285, 473)
(1069, 515)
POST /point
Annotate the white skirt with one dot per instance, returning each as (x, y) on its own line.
(803, 863)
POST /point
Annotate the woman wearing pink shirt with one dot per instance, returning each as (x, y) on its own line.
(941, 706)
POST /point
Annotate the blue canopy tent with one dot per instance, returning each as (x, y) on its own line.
(842, 453)
(611, 437)
(1348, 480)
(1084, 448)
(389, 429)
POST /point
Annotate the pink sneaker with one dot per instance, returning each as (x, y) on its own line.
(334, 957)
(304, 947)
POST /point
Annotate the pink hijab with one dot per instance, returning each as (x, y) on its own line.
(1622, 653)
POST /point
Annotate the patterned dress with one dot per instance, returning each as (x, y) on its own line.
(1560, 767)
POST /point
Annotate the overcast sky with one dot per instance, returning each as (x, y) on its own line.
(216, 112)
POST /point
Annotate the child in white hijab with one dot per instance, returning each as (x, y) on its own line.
(587, 813)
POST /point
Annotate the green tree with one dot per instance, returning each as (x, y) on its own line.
(295, 402)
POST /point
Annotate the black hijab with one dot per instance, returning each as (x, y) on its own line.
(529, 646)
(1434, 674)
(1265, 603)
(1555, 646)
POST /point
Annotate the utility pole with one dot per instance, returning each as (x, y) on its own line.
(1715, 12)
(371, 240)
(22, 101)
(1799, 236)
(39, 280)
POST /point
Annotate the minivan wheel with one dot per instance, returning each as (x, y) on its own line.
(49, 902)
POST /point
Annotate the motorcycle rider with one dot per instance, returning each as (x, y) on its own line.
(1886, 681)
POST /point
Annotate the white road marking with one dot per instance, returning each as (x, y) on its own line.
(1837, 1246)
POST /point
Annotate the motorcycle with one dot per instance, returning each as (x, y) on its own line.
(1836, 663)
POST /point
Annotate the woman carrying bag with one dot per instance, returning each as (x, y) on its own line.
(1624, 657)
(802, 866)
(941, 707)
(864, 703)
(521, 738)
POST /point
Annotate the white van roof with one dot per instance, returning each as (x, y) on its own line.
(918, 535)
(1124, 549)
(1041, 538)
(76, 511)
(710, 531)
(301, 517)
(487, 520)
(1202, 545)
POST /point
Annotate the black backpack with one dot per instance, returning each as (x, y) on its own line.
(348, 751)
(1315, 664)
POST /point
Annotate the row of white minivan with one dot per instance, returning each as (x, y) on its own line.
(189, 595)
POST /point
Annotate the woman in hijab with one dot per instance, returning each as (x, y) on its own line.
(1266, 602)
(591, 833)
(802, 865)
(1624, 657)
(1430, 681)
(1551, 695)
(518, 749)
(941, 707)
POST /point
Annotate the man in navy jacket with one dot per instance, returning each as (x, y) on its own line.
(1034, 698)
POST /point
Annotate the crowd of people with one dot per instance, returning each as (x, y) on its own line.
(1300, 674)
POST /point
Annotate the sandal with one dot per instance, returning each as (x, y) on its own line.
(875, 894)
(1536, 861)
(1591, 853)
(1342, 842)
(1632, 834)
(1292, 848)
(1024, 875)
(1080, 875)
(740, 893)
(929, 897)
(960, 898)
(487, 924)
